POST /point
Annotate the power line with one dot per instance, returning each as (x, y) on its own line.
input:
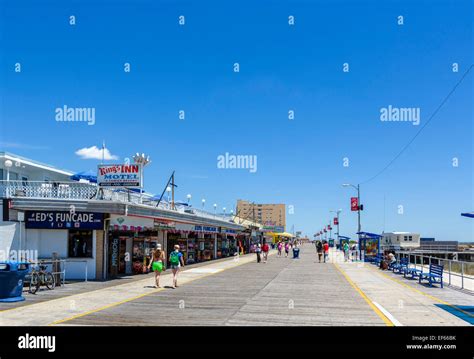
(422, 127)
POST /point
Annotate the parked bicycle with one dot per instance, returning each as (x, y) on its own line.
(41, 277)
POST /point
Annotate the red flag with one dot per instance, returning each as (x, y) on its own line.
(354, 204)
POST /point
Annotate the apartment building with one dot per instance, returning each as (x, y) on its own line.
(271, 215)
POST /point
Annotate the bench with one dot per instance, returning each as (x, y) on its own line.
(411, 271)
(400, 266)
(435, 275)
(378, 258)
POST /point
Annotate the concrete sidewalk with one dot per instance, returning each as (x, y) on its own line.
(405, 301)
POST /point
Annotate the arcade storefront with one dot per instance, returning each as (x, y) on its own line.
(131, 241)
(197, 243)
(74, 236)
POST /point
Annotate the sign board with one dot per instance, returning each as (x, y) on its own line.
(131, 223)
(336, 221)
(205, 229)
(64, 220)
(158, 224)
(120, 175)
(354, 204)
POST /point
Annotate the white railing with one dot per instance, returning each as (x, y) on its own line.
(89, 191)
(37, 189)
(457, 273)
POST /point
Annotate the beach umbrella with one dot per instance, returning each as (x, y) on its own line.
(90, 176)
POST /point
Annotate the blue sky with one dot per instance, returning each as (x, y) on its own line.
(282, 68)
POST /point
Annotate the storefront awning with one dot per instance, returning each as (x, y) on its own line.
(369, 235)
(284, 234)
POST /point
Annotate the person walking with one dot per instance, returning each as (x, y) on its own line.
(346, 251)
(279, 247)
(177, 262)
(157, 264)
(326, 251)
(319, 249)
(265, 250)
(287, 249)
(258, 250)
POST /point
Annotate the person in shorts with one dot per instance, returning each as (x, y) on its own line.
(157, 264)
(176, 262)
(265, 250)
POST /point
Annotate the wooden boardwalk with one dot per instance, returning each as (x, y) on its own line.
(281, 292)
(239, 291)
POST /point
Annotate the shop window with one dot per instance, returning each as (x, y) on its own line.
(80, 244)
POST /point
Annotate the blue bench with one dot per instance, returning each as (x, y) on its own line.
(435, 275)
(400, 266)
(411, 271)
(378, 258)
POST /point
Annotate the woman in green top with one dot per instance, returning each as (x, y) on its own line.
(157, 263)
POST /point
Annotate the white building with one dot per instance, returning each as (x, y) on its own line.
(17, 168)
(400, 240)
(20, 174)
(98, 234)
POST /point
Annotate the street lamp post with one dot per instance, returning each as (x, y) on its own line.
(337, 216)
(358, 204)
(8, 165)
(189, 198)
(203, 201)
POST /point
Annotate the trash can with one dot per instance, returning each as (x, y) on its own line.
(12, 276)
(296, 253)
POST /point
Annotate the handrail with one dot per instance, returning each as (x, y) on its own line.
(453, 268)
(63, 262)
(90, 191)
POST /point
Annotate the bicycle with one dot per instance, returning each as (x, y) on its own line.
(41, 277)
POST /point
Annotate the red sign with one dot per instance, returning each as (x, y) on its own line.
(336, 221)
(354, 204)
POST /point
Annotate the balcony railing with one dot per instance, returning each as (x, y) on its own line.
(90, 191)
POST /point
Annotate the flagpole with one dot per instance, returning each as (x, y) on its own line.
(103, 152)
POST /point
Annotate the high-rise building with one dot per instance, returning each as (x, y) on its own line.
(266, 214)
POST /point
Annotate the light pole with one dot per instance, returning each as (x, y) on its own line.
(203, 201)
(337, 216)
(358, 203)
(8, 165)
(358, 212)
(215, 209)
(189, 198)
